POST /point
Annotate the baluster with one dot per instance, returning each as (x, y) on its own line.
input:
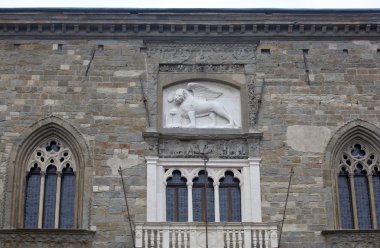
(254, 238)
(228, 240)
(185, 239)
(159, 239)
(173, 233)
(266, 238)
(179, 241)
(260, 237)
(146, 238)
(152, 238)
(240, 239)
(234, 238)
(139, 236)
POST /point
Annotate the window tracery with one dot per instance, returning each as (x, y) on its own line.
(358, 179)
(50, 187)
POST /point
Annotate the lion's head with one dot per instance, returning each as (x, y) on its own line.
(179, 96)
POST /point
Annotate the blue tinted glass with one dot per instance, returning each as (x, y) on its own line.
(199, 195)
(182, 204)
(176, 198)
(210, 204)
(49, 198)
(197, 204)
(230, 198)
(170, 204)
(236, 204)
(345, 202)
(66, 216)
(362, 201)
(376, 192)
(32, 198)
(223, 204)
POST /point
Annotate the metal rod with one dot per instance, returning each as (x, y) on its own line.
(259, 101)
(126, 204)
(205, 160)
(304, 52)
(90, 62)
(145, 101)
(286, 203)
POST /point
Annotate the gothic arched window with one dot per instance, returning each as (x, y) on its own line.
(358, 187)
(203, 198)
(176, 198)
(50, 187)
(230, 198)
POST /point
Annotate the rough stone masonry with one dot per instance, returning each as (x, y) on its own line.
(307, 73)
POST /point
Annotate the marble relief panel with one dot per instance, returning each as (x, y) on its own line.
(201, 104)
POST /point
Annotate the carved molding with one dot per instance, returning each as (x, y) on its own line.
(196, 68)
(248, 25)
(230, 146)
(49, 238)
(352, 238)
(201, 52)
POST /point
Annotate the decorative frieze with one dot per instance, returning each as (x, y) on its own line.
(216, 146)
(352, 238)
(202, 53)
(46, 238)
(196, 68)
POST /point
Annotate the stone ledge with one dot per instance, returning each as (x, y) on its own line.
(352, 238)
(62, 236)
(201, 134)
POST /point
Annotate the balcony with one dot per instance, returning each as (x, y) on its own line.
(193, 235)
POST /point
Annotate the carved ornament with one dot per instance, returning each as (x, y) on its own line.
(196, 68)
(202, 52)
(201, 105)
(46, 238)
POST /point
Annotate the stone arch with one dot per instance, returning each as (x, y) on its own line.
(25, 144)
(356, 130)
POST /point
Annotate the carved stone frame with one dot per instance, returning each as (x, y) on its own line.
(235, 80)
(207, 54)
(355, 130)
(16, 176)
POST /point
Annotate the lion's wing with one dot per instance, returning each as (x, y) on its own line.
(203, 91)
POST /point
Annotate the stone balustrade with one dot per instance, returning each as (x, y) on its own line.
(193, 235)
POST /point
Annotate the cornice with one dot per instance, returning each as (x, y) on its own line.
(192, 136)
(191, 24)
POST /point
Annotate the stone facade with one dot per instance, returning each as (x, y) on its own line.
(303, 77)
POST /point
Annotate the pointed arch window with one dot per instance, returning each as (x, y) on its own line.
(358, 187)
(203, 198)
(50, 187)
(176, 198)
(230, 198)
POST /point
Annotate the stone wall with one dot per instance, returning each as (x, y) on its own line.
(310, 89)
(39, 80)
(298, 118)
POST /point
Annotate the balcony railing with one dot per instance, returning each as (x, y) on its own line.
(193, 235)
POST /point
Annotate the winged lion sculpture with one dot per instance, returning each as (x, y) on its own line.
(198, 101)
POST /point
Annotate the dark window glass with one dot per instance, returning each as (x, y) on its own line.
(203, 198)
(230, 198)
(346, 217)
(50, 196)
(362, 199)
(66, 215)
(376, 191)
(176, 198)
(32, 198)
